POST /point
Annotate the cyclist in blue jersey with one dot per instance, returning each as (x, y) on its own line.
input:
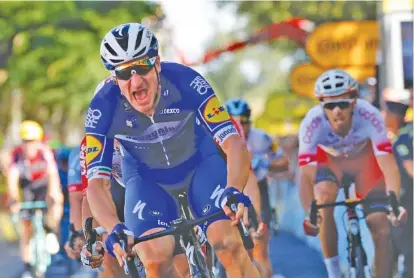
(62, 159)
(75, 200)
(160, 113)
(263, 158)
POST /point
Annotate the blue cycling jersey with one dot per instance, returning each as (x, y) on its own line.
(169, 140)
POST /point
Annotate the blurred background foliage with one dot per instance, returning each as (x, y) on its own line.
(49, 56)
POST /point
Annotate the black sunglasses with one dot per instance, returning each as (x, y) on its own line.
(341, 104)
(140, 67)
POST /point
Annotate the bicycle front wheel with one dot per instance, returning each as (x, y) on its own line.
(195, 257)
(361, 269)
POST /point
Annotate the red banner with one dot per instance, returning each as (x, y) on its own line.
(296, 29)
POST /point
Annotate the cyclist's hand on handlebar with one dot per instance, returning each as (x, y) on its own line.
(93, 260)
(309, 228)
(119, 243)
(74, 244)
(233, 201)
(399, 219)
(14, 207)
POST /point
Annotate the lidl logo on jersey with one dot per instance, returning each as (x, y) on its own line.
(213, 113)
(93, 149)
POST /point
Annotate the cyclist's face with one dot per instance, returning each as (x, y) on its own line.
(30, 148)
(338, 110)
(141, 89)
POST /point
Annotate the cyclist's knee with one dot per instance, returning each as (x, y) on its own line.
(156, 254)
(226, 241)
(326, 185)
(379, 225)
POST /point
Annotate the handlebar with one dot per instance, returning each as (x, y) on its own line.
(33, 205)
(391, 199)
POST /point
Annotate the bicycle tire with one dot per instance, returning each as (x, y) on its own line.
(133, 271)
(199, 259)
(361, 265)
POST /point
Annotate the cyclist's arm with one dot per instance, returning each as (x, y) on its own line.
(383, 151)
(306, 184)
(13, 183)
(238, 167)
(101, 203)
(252, 190)
(389, 168)
(75, 190)
(307, 162)
(213, 116)
(54, 187)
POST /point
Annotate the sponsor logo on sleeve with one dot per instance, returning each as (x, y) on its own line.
(94, 148)
(222, 134)
(200, 85)
(310, 129)
(372, 118)
(92, 117)
(213, 113)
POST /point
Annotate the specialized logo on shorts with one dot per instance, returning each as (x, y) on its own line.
(216, 195)
(139, 209)
(213, 113)
(93, 149)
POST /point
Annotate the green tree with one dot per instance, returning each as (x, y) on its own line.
(50, 51)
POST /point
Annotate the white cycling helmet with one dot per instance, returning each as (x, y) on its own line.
(127, 42)
(334, 82)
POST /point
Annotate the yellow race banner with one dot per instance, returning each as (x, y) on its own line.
(302, 78)
(344, 43)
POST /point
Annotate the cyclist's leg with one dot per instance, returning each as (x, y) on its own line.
(27, 229)
(206, 188)
(261, 248)
(149, 209)
(370, 183)
(326, 189)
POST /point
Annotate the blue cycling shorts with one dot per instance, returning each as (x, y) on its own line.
(149, 206)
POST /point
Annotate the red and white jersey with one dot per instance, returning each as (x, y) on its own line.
(368, 128)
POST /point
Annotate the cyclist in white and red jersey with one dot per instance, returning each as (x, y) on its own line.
(341, 135)
(33, 169)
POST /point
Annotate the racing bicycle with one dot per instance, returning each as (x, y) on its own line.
(183, 230)
(40, 258)
(357, 257)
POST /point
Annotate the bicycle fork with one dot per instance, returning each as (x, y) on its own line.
(357, 257)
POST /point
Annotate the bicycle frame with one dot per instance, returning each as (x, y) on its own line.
(357, 257)
(354, 240)
(40, 258)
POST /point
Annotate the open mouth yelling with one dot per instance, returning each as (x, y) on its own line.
(140, 96)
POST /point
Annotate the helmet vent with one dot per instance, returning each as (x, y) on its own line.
(123, 42)
(139, 38)
(110, 49)
(139, 53)
(339, 85)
